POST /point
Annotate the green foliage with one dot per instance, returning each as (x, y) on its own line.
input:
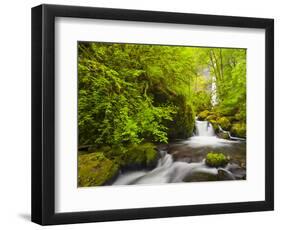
(144, 155)
(202, 101)
(130, 94)
(183, 121)
(95, 169)
(211, 117)
(216, 160)
(229, 67)
(224, 123)
(100, 168)
(114, 105)
(133, 156)
(239, 129)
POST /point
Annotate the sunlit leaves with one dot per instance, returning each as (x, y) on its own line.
(129, 93)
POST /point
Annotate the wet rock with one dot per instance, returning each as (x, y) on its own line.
(238, 130)
(182, 125)
(96, 169)
(200, 176)
(223, 135)
(224, 123)
(238, 172)
(225, 175)
(140, 156)
(203, 115)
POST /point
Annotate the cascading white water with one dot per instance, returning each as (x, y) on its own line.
(214, 99)
(206, 72)
(167, 171)
(230, 136)
(205, 136)
(170, 171)
(204, 128)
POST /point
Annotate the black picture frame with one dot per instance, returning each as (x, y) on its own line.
(43, 114)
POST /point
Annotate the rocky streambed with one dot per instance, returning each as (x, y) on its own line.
(184, 161)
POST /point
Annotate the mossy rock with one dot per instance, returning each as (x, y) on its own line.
(140, 156)
(215, 126)
(232, 119)
(216, 160)
(202, 116)
(211, 117)
(238, 130)
(223, 135)
(95, 169)
(182, 125)
(104, 149)
(239, 116)
(224, 123)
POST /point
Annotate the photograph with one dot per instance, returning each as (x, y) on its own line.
(156, 114)
(140, 114)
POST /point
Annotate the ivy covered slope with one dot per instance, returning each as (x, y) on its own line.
(132, 97)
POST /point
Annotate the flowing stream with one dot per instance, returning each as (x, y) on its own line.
(184, 161)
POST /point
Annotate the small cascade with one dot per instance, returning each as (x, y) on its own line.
(205, 136)
(204, 128)
(231, 137)
(168, 171)
(158, 175)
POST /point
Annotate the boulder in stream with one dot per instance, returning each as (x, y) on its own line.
(216, 160)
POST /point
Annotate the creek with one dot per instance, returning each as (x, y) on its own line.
(184, 160)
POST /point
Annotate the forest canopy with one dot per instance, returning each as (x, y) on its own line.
(135, 93)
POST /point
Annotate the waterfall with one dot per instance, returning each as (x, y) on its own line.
(214, 99)
(205, 136)
(204, 128)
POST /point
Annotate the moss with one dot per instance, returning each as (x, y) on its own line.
(211, 117)
(104, 149)
(215, 126)
(182, 125)
(231, 119)
(134, 156)
(216, 160)
(102, 167)
(223, 135)
(203, 115)
(95, 169)
(224, 123)
(140, 156)
(238, 129)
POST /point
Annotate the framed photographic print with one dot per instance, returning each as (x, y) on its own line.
(141, 114)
